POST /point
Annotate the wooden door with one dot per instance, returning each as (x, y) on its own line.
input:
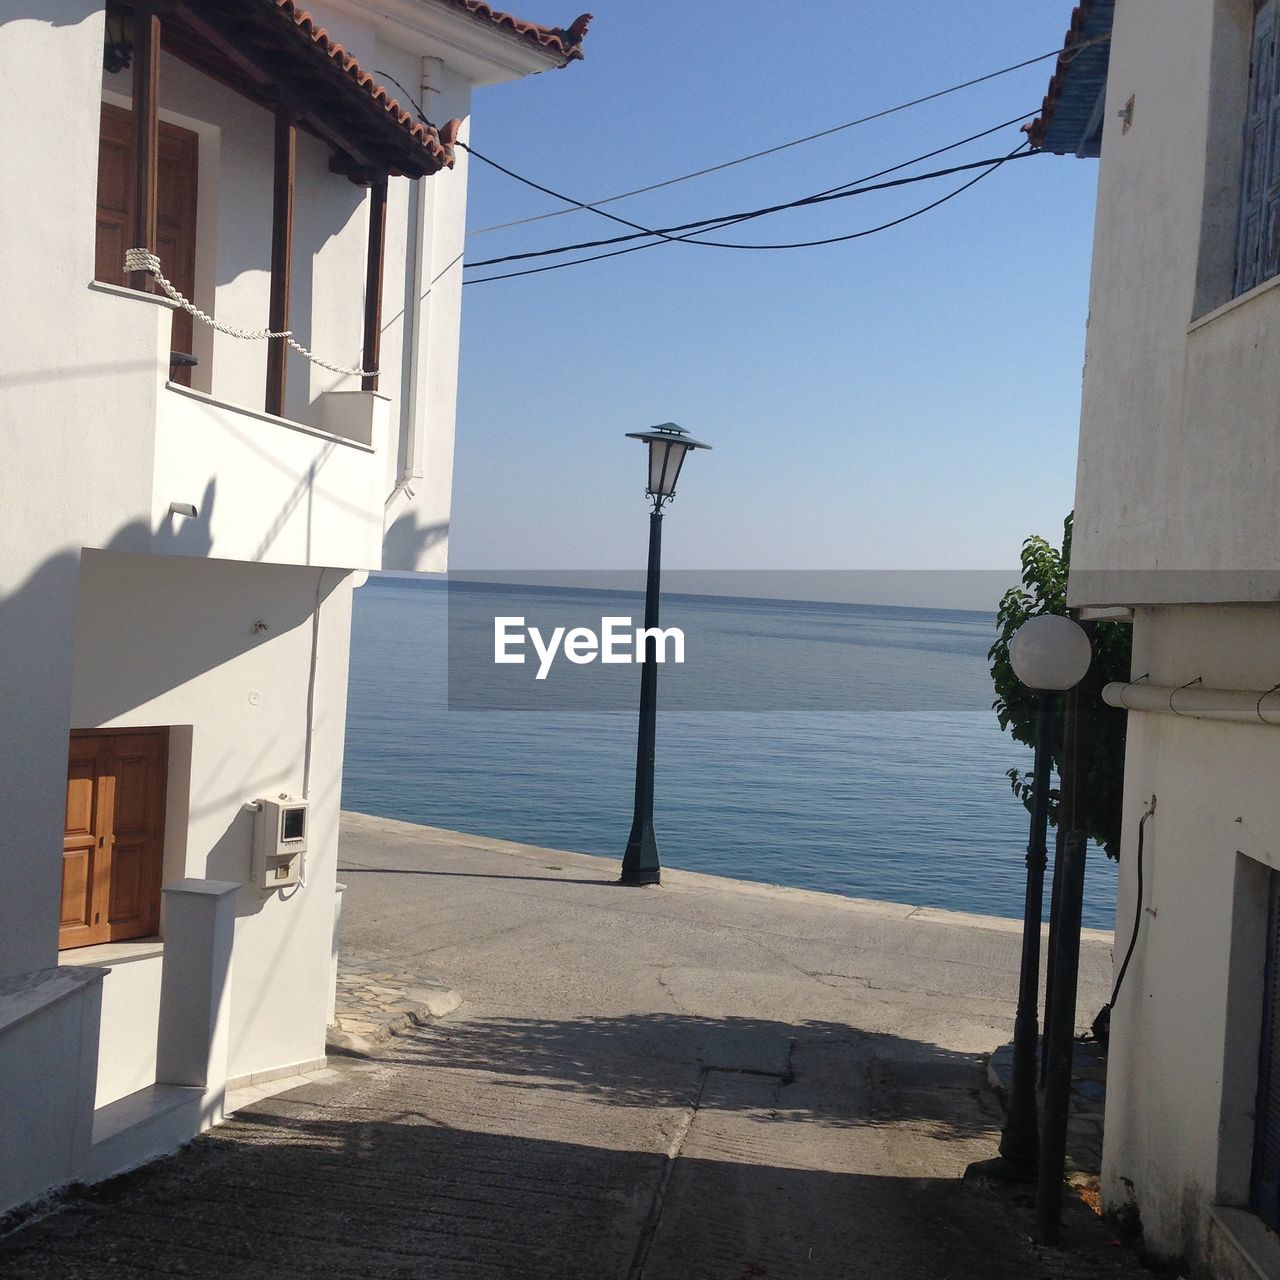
(175, 211)
(113, 842)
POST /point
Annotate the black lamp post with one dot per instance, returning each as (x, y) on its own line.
(668, 445)
(1049, 654)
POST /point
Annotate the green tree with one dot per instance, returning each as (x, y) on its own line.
(1044, 590)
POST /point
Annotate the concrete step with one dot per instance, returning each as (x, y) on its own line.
(141, 1126)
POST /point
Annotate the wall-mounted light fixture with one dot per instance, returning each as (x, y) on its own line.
(117, 44)
(183, 509)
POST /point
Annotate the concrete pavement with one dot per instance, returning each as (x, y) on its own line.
(708, 1079)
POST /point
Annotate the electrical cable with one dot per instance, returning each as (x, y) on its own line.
(1102, 1023)
(1069, 54)
(1020, 150)
(991, 167)
(723, 220)
(1137, 915)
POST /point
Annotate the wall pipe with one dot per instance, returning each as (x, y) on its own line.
(1194, 701)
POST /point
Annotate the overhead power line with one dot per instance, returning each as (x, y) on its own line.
(795, 142)
(723, 220)
(1021, 153)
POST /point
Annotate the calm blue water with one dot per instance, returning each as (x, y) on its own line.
(899, 803)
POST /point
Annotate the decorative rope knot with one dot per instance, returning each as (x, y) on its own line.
(144, 260)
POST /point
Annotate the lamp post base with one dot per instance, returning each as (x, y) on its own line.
(640, 863)
(1001, 1169)
(640, 877)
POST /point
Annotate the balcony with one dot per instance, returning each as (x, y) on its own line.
(264, 489)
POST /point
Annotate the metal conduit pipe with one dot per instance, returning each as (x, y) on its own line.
(1242, 706)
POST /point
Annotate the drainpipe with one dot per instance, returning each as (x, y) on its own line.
(1193, 700)
(413, 426)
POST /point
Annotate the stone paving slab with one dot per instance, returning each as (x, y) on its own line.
(375, 1000)
(1088, 1105)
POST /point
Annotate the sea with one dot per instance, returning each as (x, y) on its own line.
(844, 748)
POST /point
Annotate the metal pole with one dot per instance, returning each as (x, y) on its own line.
(1062, 1002)
(640, 864)
(1019, 1144)
(1067, 821)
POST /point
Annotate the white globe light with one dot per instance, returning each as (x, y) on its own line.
(1050, 653)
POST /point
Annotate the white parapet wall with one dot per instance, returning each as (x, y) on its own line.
(48, 1065)
(266, 489)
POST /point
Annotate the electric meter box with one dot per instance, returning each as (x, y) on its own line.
(279, 842)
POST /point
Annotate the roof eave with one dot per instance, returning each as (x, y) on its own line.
(1071, 117)
(481, 53)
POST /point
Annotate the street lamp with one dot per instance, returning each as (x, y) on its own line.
(668, 446)
(1049, 654)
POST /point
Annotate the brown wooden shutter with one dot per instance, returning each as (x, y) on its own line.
(175, 217)
(113, 842)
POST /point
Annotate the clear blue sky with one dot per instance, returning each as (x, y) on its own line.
(909, 400)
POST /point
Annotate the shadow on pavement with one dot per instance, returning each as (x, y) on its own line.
(826, 1072)
(300, 1189)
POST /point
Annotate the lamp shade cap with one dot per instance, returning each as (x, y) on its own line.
(668, 432)
(1050, 653)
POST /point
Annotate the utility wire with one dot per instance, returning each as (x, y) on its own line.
(537, 186)
(528, 182)
(795, 142)
(991, 167)
(1022, 150)
(724, 220)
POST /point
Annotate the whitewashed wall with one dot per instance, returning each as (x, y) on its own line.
(1183, 1065)
(1169, 455)
(77, 408)
(1176, 514)
(244, 695)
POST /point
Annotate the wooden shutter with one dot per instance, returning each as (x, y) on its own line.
(1265, 1190)
(175, 214)
(113, 841)
(1258, 236)
(81, 863)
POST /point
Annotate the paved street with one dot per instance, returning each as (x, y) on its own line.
(704, 1080)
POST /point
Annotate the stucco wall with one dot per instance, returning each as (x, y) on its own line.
(75, 448)
(418, 527)
(1185, 1032)
(244, 695)
(1160, 447)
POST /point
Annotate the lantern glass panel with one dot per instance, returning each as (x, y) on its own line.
(665, 457)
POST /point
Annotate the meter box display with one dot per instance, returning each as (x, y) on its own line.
(279, 842)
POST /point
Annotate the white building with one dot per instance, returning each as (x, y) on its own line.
(178, 543)
(1178, 520)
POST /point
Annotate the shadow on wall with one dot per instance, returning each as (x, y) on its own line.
(37, 623)
(90, 636)
(187, 617)
(189, 535)
(407, 541)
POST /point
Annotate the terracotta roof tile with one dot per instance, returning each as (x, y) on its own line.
(565, 42)
(426, 136)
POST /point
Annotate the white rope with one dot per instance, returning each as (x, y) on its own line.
(142, 260)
